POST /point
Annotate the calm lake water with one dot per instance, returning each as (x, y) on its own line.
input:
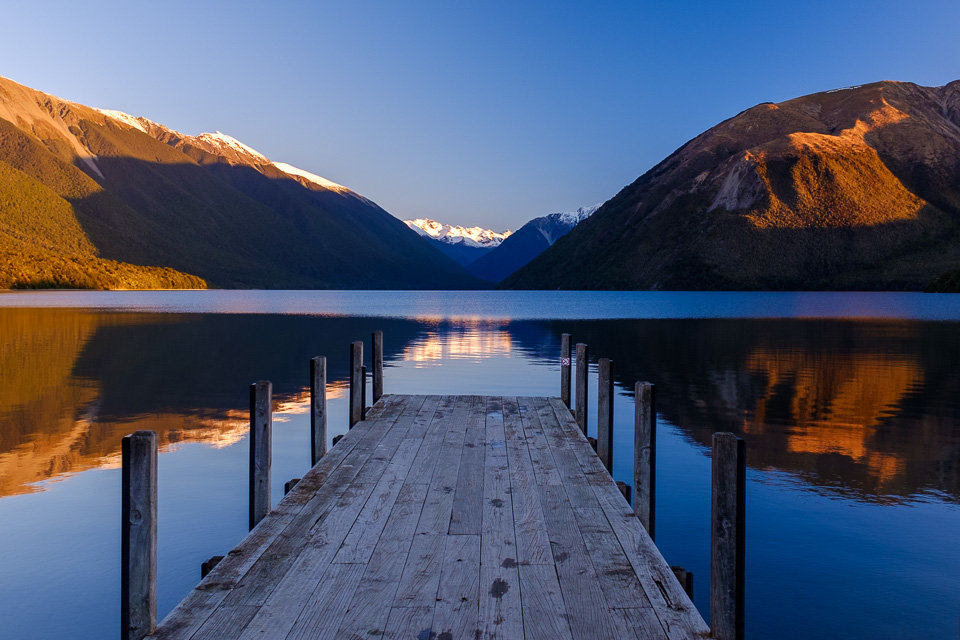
(849, 403)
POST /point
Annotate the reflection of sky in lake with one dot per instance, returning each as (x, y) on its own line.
(852, 431)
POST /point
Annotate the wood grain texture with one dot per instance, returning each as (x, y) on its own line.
(138, 567)
(404, 531)
(261, 447)
(318, 408)
(376, 341)
(645, 455)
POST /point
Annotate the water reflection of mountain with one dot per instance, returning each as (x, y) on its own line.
(866, 408)
(76, 382)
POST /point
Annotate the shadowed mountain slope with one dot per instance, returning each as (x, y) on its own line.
(856, 188)
(102, 188)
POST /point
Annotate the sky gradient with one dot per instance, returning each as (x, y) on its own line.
(470, 113)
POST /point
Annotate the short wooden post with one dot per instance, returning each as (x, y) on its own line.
(582, 370)
(208, 565)
(645, 455)
(727, 537)
(624, 490)
(565, 368)
(318, 408)
(261, 427)
(363, 392)
(377, 365)
(605, 412)
(337, 439)
(685, 578)
(290, 484)
(356, 383)
(138, 567)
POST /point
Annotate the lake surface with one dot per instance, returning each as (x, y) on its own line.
(849, 404)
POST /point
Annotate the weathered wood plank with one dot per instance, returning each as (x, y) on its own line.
(544, 468)
(327, 605)
(579, 584)
(544, 613)
(409, 623)
(533, 543)
(457, 608)
(361, 546)
(370, 606)
(468, 495)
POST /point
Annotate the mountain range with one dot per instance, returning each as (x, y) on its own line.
(463, 245)
(492, 255)
(99, 198)
(854, 188)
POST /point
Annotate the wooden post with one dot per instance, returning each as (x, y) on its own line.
(645, 455)
(685, 578)
(337, 439)
(208, 565)
(138, 568)
(605, 412)
(565, 368)
(356, 383)
(582, 368)
(290, 484)
(727, 537)
(363, 392)
(261, 427)
(377, 365)
(318, 408)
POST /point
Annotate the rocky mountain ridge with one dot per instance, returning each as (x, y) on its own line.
(856, 188)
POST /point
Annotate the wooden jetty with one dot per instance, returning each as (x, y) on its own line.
(439, 518)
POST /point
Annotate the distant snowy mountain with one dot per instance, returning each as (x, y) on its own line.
(453, 234)
(527, 242)
(465, 245)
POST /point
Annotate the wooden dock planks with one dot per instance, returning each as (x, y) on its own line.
(446, 517)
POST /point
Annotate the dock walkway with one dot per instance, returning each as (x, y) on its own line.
(446, 517)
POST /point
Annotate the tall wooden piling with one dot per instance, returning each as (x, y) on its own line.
(727, 537)
(645, 455)
(363, 392)
(565, 368)
(583, 365)
(377, 340)
(318, 408)
(605, 412)
(356, 382)
(138, 577)
(261, 428)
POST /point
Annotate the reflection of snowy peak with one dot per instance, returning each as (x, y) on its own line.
(450, 234)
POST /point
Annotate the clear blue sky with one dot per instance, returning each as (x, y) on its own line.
(471, 113)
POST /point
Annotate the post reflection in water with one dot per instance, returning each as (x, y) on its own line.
(860, 412)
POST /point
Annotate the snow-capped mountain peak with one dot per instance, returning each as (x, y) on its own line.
(291, 170)
(225, 143)
(573, 218)
(125, 118)
(455, 234)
